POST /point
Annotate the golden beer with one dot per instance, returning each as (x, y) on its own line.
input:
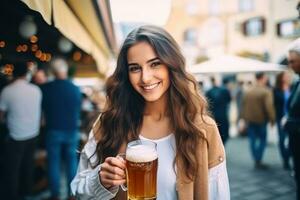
(141, 165)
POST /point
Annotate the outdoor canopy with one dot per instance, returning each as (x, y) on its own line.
(234, 64)
(79, 22)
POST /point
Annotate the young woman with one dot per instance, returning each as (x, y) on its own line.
(150, 96)
(281, 95)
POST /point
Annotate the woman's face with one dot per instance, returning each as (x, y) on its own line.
(286, 78)
(147, 74)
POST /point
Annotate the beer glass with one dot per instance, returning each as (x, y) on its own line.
(141, 170)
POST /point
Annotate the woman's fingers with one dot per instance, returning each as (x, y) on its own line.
(112, 176)
(116, 162)
(110, 182)
(112, 172)
(112, 169)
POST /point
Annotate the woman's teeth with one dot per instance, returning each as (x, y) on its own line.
(150, 87)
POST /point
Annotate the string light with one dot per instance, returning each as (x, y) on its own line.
(2, 44)
(43, 57)
(8, 69)
(24, 47)
(48, 57)
(33, 39)
(77, 56)
(38, 54)
(87, 59)
(34, 47)
(19, 48)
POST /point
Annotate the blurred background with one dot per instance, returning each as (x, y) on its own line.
(225, 40)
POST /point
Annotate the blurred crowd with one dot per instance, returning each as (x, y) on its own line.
(260, 104)
(45, 118)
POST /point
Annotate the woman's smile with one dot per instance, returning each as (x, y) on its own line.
(150, 87)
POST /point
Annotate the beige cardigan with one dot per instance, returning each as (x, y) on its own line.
(210, 154)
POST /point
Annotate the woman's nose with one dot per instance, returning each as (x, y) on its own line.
(146, 75)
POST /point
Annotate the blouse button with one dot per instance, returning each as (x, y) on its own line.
(221, 158)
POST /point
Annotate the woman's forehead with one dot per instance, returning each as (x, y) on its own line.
(140, 52)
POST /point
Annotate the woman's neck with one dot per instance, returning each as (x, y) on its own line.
(157, 109)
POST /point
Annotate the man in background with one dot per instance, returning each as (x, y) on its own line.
(20, 101)
(61, 106)
(292, 125)
(219, 100)
(257, 110)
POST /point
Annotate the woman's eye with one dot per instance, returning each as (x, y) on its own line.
(155, 64)
(134, 68)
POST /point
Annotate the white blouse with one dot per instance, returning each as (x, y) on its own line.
(86, 183)
(166, 177)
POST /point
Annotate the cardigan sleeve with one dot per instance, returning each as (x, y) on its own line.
(218, 183)
(216, 151)
(86, 184)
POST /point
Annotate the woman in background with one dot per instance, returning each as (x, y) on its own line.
(281, 94)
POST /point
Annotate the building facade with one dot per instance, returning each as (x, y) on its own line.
(251, 28)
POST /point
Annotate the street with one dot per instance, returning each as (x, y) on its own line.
(247, 183)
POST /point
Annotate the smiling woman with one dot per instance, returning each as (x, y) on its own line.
(150, 96)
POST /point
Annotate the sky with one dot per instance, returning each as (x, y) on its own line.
(154, 12)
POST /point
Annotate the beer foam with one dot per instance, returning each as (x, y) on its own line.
(140, 153)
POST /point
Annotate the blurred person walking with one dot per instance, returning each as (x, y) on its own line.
(292, 125)
(20, 102)
(61, 106)
(219, 99)
(240, 123)
(257, 110)
(281, 93)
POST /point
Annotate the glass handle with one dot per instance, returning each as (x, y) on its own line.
(121, 156)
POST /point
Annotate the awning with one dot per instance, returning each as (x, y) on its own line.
(234, 64)
(44, 7)
(79, 21)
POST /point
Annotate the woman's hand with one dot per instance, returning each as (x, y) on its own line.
(112, 172)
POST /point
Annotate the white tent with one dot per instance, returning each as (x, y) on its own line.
(234, 64)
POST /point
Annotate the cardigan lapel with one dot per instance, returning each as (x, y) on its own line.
(197, 189)
(184, 186)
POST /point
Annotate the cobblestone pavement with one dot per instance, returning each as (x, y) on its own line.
(247, 183)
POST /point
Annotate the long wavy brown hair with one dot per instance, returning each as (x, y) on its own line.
(122, 118)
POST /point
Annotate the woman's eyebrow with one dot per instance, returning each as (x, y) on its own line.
(148, 61)
(134, 64)
(152, 59)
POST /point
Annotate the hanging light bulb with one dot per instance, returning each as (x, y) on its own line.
(33, 39)
(64, 45)
(27, 27)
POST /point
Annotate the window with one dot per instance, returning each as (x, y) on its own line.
(190, 36)
(288, 28)
(246, 5)
(254, 26)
